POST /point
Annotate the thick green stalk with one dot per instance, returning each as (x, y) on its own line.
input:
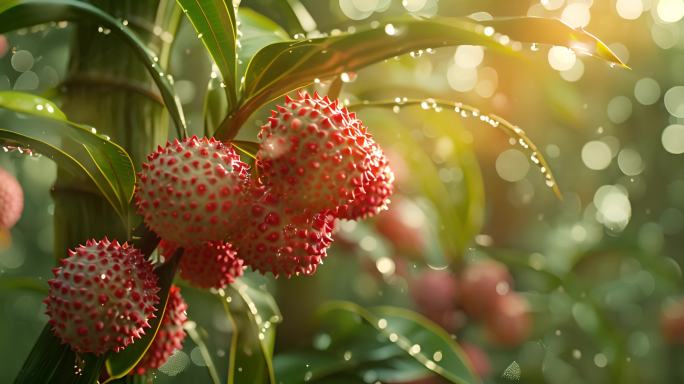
(107, 88)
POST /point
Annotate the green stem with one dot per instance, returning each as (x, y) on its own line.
(107, 88)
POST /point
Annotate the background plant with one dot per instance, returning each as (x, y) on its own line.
(437, 154)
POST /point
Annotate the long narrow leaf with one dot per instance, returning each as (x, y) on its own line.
(282, 67)
(255, 315)
(76, 147)
(16, 14)
(466, 111)
(215, 23)
(280, 11)
(50, 361)
(120, 364)
(386, 344)
(256, 32)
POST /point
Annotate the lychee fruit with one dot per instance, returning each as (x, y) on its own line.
(102, 297)
(213, 264)
(377, 189)
(317, 155)
(11, 200)
(170, 335)
(190, 192)
(672, 322)
(281, 240)
(482, 283)
(509, 323)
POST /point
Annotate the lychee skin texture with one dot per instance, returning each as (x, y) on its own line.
(102, 297)
(170, 335)
(319, 156)
(211, 265)
(377, 189)
(11, 200)
(281, 240)
(190, 192)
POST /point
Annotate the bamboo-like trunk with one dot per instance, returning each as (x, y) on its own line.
(109, 89)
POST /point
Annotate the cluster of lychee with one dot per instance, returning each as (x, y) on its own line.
(103, 297)
(483, 292)
(316, 163)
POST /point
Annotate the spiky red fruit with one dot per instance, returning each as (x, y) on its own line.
(170, 335)
(190, 192)
(319, 156)
(482, 283)
(377, 189)
(101, 297)
(281, 240)
(211, 265)
(11, 200)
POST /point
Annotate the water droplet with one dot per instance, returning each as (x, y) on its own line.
(347, 356)
(414, 350)
(348, 77)
(390, 29)
(437, 356)
(382, 323)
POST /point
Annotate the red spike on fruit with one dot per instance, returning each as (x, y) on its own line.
(94, 313)
(191, 193)
(282, 240)
(11, 200)
(301, 160)
(377, 187)
(210, 265)
(170, 335)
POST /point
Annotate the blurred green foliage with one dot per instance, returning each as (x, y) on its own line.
(596, 267)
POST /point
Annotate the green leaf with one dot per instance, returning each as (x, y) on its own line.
(16, 14)
(215, 106)
(50, 361)
(256, 31)
(280, 11)
(457, 208)
(383, 344)
(493, 120)
(198, 336)
(555, 32)
(283, 67)
(254, 314)
(214, 21)
(75, 147)
(120, 364)
(249, 148)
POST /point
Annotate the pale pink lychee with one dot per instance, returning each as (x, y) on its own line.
(102, 297)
